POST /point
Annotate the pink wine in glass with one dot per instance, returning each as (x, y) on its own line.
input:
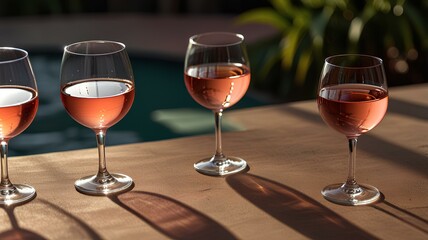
(18, 107)
(352, 109)
(98, 103)
(217, 86)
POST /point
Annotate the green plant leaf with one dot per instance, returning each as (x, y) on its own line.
(265, 16)
(318, 27)
(311, 29)
(303, 64)
(418, 22)
(357, 26)
(342, 4)
(380, 5)
(313, 3)
(290, 43)
(285, 7)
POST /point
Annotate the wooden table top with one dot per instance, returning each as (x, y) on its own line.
(292, 155)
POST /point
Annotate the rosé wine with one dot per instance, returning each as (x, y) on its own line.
(18, 107)
(217, 86)
(98, 103)
(352, 109)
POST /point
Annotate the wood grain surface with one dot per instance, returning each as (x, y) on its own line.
(292, 155)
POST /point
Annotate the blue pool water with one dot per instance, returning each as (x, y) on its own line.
(162, 109)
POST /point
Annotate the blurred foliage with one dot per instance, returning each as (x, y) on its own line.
(288, 65)
(310, 30)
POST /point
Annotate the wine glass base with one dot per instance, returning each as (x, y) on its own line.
(19, 193)
(363, 195)
(101, 186)
(215, 167)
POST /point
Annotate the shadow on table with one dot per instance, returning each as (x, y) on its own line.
(407, 108)
(51, 215)
(403, 215)
(382, 148)
(295, 209)
(16, 232)
(170, 217)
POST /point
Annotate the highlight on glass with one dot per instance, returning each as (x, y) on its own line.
(97, 90)
(352, 99)
(217, 75)
(19, 101)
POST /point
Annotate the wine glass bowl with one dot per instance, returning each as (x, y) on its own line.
(352, 99)
(221, 87)
(217, 75)
(97, 90)
(18, 106)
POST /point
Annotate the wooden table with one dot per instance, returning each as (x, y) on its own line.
(292, 156)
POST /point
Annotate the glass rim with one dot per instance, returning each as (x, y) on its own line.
(68, 50)
(25, 54)
(239, 37)
(379, 63)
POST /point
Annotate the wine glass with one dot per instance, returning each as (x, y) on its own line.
(19, 101)
(97, 90)
(352, 99)
(217, 75)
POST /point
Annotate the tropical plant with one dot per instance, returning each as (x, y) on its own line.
(310, 30)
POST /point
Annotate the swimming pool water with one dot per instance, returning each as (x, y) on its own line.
(155, 115)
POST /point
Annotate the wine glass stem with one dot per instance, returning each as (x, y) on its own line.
(5, 182)
(351, 182)
(218, 147)
(102, 169)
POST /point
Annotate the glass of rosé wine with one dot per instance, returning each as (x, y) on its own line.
(97, 90)
(217, 75)
(352, 99)
(19, 101)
